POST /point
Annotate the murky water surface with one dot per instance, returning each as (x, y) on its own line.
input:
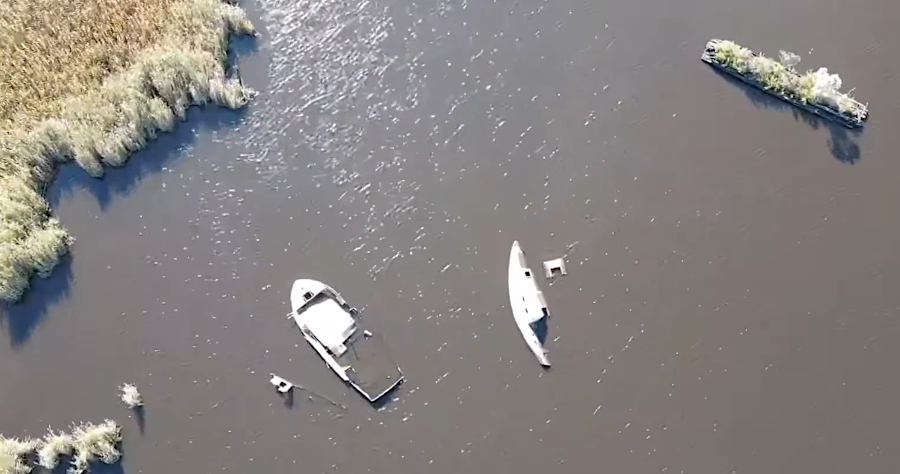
(729, 305)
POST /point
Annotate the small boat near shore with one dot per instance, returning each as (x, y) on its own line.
(334, 329)
(815, 92)
(527, 302)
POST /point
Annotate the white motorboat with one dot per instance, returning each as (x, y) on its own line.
(527, 302)
(334, 330)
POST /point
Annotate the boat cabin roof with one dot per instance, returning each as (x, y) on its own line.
(331, 324)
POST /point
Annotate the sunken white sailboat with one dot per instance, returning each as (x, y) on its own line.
(335, 331)
(527, 302)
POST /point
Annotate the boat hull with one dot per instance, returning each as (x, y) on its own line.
(365, 363)
(527, 303)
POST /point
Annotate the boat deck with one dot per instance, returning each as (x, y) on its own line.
(374, 372)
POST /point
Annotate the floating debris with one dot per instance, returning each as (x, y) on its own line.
(281, 384)
(555, 267)
(285, 387)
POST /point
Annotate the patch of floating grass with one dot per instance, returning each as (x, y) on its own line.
(95, 81)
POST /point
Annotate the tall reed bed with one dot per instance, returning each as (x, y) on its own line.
(86, 443)
(94, 81)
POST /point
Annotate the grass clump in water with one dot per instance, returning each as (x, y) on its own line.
(86, 443)
(94, 81)
(131, 396)
(95, 442)
(53, 446)
(14, 454)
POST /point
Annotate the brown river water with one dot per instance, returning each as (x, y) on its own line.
(728, 307)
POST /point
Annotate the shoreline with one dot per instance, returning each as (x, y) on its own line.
(106, 124)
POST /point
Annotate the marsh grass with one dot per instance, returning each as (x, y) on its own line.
(86, 443)
(14, 454)
(53, 447)
(94, 81)
(95, 443)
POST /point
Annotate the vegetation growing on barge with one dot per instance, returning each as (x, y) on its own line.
(95, 81)
(814, 87)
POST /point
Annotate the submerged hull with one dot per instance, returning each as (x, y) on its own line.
(527, 303)
(849, 121)
(362, 360)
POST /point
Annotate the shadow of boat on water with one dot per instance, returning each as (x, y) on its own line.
(841, 142)
(21, 318)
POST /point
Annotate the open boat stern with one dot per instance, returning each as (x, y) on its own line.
(373, 371)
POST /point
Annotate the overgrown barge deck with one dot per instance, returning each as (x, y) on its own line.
(854, 117)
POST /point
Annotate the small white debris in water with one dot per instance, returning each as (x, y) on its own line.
(597, 409)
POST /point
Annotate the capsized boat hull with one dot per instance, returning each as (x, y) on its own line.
(527, 302)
